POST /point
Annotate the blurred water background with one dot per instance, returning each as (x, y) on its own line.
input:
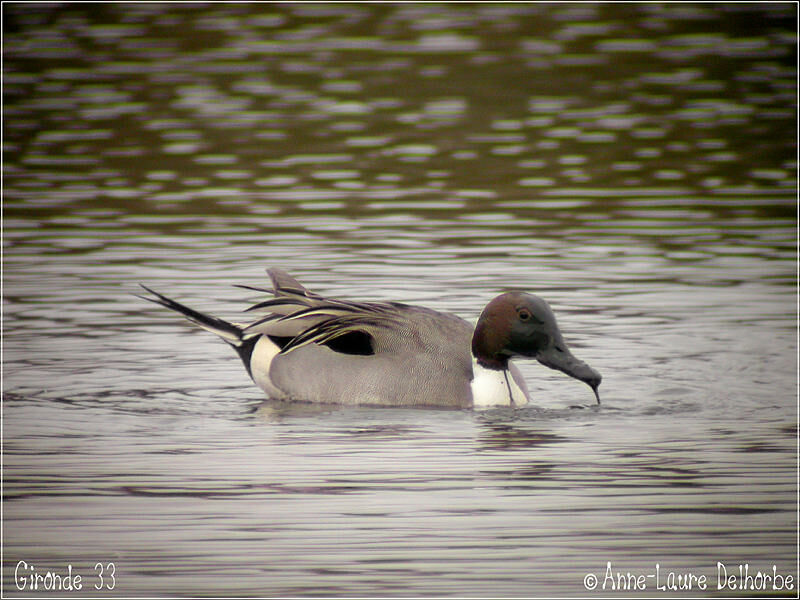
(635, 164)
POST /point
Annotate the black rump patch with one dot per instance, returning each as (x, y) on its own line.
(245, 350)
(353, 342)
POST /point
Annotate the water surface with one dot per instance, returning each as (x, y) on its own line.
(633, 164)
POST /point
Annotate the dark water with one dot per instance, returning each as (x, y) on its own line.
(635, 164)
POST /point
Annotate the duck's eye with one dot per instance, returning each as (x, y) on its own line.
(524, 314)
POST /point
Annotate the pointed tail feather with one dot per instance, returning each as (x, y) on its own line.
(227, 331)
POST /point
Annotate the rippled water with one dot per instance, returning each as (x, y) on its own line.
(635, 164)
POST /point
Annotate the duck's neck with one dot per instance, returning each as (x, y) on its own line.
(493, 364)
(487, 345)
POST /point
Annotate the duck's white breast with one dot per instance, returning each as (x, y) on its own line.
(495, 388)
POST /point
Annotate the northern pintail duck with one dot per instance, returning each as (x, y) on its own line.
(326, 350)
